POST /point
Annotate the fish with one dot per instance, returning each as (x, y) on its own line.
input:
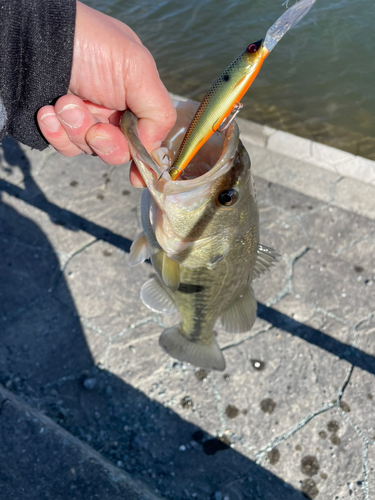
(202, 236)
(222, 101)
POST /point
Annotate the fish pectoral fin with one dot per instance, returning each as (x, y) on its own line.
(177, 345)
(139, 250)
(155, 296)
(265, 258)
(239, 317)
(170, 272)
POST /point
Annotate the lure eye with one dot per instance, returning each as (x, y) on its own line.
(228, 197)
(252, 48)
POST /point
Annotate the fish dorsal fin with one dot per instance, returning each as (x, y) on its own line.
(176, 344)
(170, 272)
(265, 258)
(155, 296)
(239, 317)
(139, 250)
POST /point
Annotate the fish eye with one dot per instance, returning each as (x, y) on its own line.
(228, 197)
(252, 48)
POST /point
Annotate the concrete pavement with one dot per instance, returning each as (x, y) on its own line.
(293, 414)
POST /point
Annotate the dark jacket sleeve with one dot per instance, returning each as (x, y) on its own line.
(36, 52)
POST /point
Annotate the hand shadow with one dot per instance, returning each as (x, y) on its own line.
(44, 359)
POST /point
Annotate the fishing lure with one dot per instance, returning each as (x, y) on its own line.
(222, 102)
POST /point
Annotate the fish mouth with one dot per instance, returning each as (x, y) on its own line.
(210, 162)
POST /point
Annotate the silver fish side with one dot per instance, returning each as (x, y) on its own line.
(202, 235)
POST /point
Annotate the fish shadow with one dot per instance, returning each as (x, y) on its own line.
(45, 360)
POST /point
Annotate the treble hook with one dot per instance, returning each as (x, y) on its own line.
(236, 109)
(167, 169)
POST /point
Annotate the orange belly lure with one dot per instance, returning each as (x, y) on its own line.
(223, 98)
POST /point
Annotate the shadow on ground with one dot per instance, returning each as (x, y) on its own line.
(45, 360)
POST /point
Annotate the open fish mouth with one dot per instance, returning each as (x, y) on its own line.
(212, 161)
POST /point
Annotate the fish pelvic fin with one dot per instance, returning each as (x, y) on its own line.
(239, 317)
(139, 250)
(156, 297)
(265, 258)
(177, 345)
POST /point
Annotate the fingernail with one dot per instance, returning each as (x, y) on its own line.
(51, 122)
(102, 145)
(71, 115)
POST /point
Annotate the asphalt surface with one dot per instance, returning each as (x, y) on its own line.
(91, 407)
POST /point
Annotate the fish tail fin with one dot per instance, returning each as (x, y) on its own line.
(177, 345)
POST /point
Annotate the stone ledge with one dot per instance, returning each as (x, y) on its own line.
(53, 462)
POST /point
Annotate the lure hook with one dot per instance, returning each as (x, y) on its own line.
(236, 109)
(167, 169)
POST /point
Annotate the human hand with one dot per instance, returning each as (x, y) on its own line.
(111, 71)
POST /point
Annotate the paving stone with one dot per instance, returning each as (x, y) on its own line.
(28, 262)
(360, 398)
(306, 314)
(290, 145)
(332, 229)
(357, 196)
(359, 168)
(285, 200)
(361, 255)
(43, 343)
(360, 391)
(64, 238)
(332, 285)
(118, 185)
(63, 180)
(87, 352)
(227, 340)
(322, 463)
(51, 463)
(273, 399)
(303, 178)
(364, 335)
(105, 289)
(141, 362)
(254, 132)
(371, 467)
(286, 236)
(271, 283)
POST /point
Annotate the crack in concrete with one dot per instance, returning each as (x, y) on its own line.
(112, 339)
(289, 271)
(219, 406)
(61, 381)
(326, 313)
(60, 270)
(358, 324)
(369, 236)
(2, 404)
(249, 337)
(333, 189)
(261, 454)
(365, 471)
(365, 461)
(344, 385)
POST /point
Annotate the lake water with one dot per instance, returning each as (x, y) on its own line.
(318, 82)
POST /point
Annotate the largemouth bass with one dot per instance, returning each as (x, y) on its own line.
(202, 235)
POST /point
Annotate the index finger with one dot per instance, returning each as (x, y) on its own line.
(149, 100)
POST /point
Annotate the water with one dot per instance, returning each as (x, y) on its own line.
(318, 82)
